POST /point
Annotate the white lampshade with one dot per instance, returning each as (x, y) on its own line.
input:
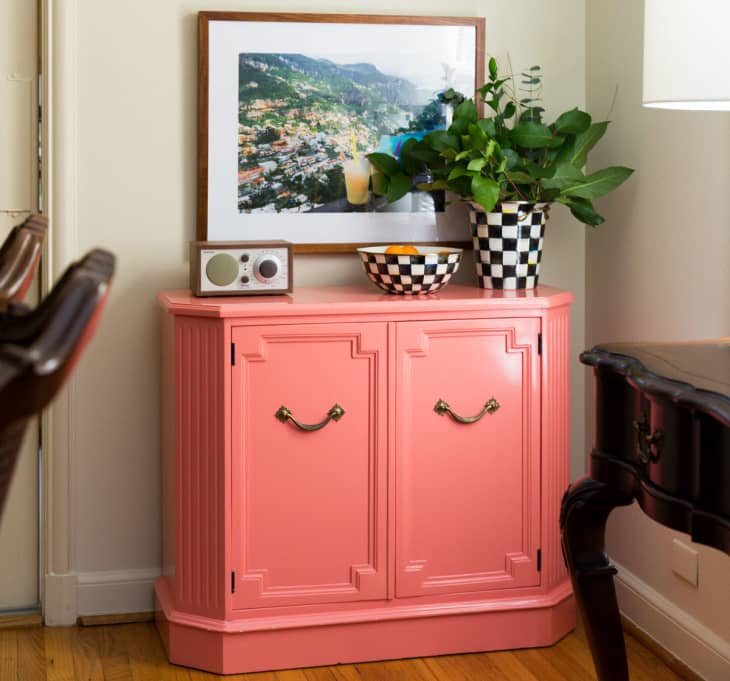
(687, 54)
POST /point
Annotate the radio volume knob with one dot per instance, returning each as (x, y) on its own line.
(267, 267)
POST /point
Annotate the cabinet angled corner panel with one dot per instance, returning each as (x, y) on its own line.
(311, 504)
(352, 476)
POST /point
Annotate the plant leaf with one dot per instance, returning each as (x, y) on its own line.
(582, 209)
(385, 163)
(441, 140)
(512, 158)
(380, 184)
(492, 68)
(598, 183)
(485, 192)
(531, 135)
(476, 164)
(478, 137)
(459, 171)
(574, 122)
(461, 185)
(414, 155)
(565, 175)
(487, 125)
(586, 141)
(399, 186)
(464, 115)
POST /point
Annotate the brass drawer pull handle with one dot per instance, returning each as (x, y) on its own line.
(648, 446)
(334, 414)
(442, 408)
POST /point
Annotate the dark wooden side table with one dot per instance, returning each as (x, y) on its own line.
(662, 418)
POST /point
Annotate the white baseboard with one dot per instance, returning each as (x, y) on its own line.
(59, 600)
(116, 592)
(700, 648)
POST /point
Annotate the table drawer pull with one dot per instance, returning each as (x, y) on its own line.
(649, 446)
(334, 414)
(441, 407)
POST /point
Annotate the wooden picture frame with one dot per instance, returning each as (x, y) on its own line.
(279, 94)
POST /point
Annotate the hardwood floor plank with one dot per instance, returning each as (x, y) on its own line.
(512, 668)
(301, 675)
(59, 655)
(465, 668)
(8, 654)
(574, 659)
(644, 663)
(87, 660)
(577, 649)
(539, 663)
(19, 621)
(395, 670)
(31, 655)
(672, 662)
(313, 674)
(345, 672)
(124, 618)
(147, 659)
(114, 657)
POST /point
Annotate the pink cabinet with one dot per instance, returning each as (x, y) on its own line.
(352, 476)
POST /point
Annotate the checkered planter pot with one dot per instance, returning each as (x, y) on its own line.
(410, 274)
(508, 244)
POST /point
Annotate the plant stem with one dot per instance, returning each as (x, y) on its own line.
(517, 191)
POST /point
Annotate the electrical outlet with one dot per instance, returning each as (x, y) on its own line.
(685, 562)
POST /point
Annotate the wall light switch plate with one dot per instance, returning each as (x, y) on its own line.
(685, 562)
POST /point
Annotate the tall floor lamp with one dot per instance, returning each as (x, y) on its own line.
(687, 54)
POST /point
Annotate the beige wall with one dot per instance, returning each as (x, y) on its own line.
(660, 270)
(136, 81)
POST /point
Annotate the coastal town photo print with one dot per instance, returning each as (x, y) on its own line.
(306, 123)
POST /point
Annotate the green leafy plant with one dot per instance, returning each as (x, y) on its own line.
(509, 154)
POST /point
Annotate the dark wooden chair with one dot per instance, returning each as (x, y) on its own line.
(39, 349)
(19, 257)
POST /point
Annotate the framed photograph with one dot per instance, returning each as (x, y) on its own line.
(291, 104)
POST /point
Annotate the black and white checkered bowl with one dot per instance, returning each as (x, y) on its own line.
(426, 272)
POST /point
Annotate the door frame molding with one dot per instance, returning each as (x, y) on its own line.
(59, 41)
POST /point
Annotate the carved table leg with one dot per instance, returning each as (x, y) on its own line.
(583, 515)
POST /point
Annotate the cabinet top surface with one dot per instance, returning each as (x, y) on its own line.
(361, 299)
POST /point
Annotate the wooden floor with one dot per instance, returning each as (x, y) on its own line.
(133, 652)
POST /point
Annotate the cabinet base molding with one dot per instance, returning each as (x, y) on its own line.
(243, 646)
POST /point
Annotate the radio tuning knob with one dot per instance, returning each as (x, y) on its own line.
(267, 267)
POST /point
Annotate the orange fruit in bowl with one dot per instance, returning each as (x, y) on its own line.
(399, 249)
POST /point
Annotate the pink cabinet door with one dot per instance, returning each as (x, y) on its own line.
(467, 494)
(308, 506)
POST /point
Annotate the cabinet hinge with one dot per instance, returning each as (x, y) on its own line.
(233, 582)
(233, 354)
(539, 344)
(539, 560)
